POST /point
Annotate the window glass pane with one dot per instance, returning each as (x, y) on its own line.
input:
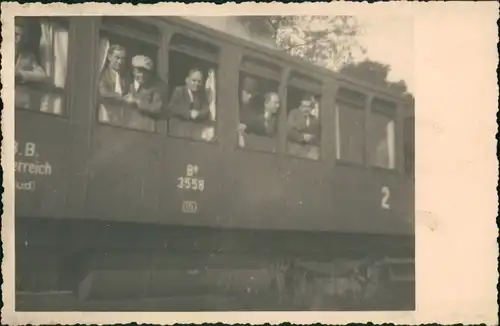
(193, 97)
(303, 123)
(382, 141)
(41, 64)
(259, 105)
(131, 95)
(349, 132)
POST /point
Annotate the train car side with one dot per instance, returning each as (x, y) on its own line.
(93, 199)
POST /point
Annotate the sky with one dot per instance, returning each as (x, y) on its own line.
(390, 40)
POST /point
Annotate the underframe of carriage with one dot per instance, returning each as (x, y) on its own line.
(206, 269)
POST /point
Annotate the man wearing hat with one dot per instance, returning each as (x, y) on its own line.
(146, 94)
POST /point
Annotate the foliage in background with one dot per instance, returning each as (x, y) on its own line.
(328, 41)
(375, 73)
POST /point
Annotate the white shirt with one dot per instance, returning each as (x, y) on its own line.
(118, 84)
(191, 97)
(136, 85)
(308, 121)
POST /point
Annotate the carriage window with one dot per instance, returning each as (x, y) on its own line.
(41, 64)
(349, 129)
(409, 145)
(259, 103)
(192, 87)
(303, 132)
(382, 134)
(131, 94)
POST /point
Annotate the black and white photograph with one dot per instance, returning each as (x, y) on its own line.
(181, 163)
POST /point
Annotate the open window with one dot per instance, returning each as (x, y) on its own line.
(303, 116)
(130, 92)
(259, 105)
(41, 63)
(193, 88)
(382, 138)
(350, 126)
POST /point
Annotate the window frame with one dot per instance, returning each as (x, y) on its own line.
(215, 60)
(351, 105)
(263, 74)
(134, 35)
(193, 52)
(67, 92)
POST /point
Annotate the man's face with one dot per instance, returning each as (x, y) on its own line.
(117, 59)
(193, 81)
(272, 104)
(306, 106)
(141, 75)
(19, 36)
(245, 96)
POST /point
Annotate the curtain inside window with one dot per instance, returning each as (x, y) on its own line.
(391, 139)
(211, 94)
(46, 48)
(337, 132)
(103, 52)
(383, 137)
(315, 110)
(208, 132)
(60, 56)
(54, 61)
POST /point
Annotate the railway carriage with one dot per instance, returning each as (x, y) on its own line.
(154, 218)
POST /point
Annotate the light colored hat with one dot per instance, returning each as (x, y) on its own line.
(141, 61)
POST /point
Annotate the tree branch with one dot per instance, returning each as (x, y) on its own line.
(273, 24)
(304, 44)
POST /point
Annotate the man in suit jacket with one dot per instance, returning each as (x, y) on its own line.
(112, 80)
(304, 130)
(146, 95)
(113, 85)
(264, 124)
(188, 102)
(27, 68)
(303, 126)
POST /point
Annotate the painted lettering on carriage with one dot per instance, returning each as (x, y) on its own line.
(386, 194)
(189, 206)
(29, 166)
(191, 181)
